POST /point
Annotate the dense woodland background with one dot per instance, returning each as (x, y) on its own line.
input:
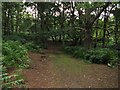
(90, 24)
(87, 30)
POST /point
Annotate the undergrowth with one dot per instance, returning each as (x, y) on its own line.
(14, 55)
(96, 55)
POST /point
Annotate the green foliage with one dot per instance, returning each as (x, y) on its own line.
(33, 47)
(70, 49)
(76, 51)
(10, 81)
(80, 52)
(31, 41)
(115, 58)
(89, 4)
(99, 55)
(14, 54)
(116, 13)
(21, 37)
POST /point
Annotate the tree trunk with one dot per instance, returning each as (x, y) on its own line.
(96, 37)
(88, 39)
(104, 29)
(35, 19)
(116, 31)
(8, 26)
(11, 21)
(88, 27)
(17, 22)
(40, 12)
(89, 24)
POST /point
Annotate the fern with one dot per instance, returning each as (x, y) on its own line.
(10, 81)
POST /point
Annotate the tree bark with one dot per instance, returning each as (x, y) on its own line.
(104, 29)
(88, 27)
(89, 24)
(88, 38)
(96, 33)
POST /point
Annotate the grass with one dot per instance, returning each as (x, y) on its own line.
(68, 63)
(71, 71)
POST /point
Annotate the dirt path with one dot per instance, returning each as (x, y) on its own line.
(53, 69)
(40, 73)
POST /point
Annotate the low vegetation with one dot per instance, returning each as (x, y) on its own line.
(10, 81)
(14, 57)
(99, 55)
(31, 46)
(14, 54)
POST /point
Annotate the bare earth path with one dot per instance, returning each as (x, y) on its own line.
(54, 69)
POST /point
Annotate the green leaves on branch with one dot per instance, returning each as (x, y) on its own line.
(89, 4)
(14, 54)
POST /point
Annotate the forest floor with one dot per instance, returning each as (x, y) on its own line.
(54, 69)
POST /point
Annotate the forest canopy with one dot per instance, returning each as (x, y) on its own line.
(89, 24)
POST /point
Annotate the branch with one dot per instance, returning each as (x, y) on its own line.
(98, 15)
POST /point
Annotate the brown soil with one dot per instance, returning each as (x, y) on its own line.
(42, 74)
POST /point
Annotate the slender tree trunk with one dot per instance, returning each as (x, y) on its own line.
(73, 23)
(12, 24)
(4, 21)
(104, 29)
(96, 33)
(17, 22)
(116, 31)
(80, 13)
(96, 38)
(8, 26)
(23, 19)
(35, 19)
(40, 12)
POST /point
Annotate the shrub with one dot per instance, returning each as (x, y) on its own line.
(76, 51)
(99, 55)
(70, 49)
(10, 81)
(102, 55)
(14, 54)
(115, 59)
(118, 54)
(33, 47)
(15, 37)
(79, 53)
